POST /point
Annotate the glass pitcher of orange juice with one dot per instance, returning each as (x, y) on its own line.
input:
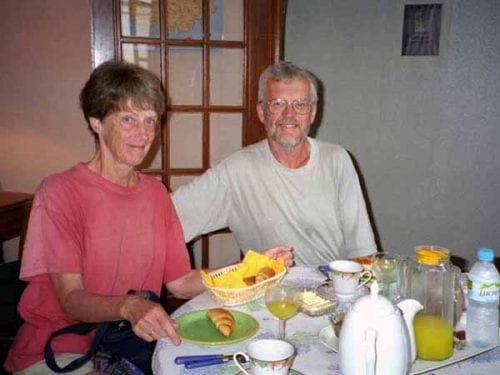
(431, 279)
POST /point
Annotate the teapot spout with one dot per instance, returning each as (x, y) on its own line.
(410, 307)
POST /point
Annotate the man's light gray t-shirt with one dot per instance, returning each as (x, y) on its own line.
(317, 209)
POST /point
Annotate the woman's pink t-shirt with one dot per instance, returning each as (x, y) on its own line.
(117, 238)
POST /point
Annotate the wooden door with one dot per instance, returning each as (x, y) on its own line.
(209, 55)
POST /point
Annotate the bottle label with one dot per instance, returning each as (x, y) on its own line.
(483, 290)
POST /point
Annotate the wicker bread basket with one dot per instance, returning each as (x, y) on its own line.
(239, 296)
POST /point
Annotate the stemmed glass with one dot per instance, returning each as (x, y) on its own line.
(386, 268)
(281, 301)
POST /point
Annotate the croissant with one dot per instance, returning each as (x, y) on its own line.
(264, 274)
(222, 319)
(249, 280)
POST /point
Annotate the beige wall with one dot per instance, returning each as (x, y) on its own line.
(45, 60)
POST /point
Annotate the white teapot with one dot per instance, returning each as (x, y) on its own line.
(375, 338)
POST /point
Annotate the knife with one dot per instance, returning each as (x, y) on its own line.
(200, 358)
(208, 362)
(195, 361)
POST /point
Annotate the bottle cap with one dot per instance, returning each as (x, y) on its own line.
(485, 255)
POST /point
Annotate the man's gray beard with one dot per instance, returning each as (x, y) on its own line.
(286, 144)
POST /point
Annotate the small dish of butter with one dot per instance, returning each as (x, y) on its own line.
(312, 304)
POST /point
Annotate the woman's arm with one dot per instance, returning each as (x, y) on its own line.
(187, 286)
(148, 319)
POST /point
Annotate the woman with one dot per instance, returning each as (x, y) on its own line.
(102, 228)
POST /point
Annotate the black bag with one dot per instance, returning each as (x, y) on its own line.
(115, 347)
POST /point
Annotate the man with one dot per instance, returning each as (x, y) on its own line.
(288, 189)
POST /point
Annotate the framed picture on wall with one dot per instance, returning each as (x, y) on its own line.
(421, 30)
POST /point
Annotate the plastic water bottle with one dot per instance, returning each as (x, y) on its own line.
(482, 290)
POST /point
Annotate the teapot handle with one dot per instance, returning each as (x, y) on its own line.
(410, 307)
(370, 354)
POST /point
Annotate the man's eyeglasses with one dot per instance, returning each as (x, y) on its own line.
(300, 106)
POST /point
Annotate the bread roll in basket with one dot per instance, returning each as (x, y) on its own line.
(243, 282)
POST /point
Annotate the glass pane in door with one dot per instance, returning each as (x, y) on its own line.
(226, 76)
(226, 22)
(185, 72)
(184, 19)
(153, 158)
(185, 148)
(147, 56)
(140, 18)
(225, 135)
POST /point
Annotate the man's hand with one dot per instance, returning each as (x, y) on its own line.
(149, 320)
(283, 252)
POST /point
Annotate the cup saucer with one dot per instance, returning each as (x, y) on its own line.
(291, 372)
(325, 290)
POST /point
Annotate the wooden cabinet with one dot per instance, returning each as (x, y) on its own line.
(14, 213)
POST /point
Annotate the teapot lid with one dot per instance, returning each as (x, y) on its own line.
(374, 304)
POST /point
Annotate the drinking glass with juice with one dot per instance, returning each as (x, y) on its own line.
(281, 301)
(282, 309)
(433, 337)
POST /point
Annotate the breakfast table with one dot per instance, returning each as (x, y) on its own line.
(315, 354)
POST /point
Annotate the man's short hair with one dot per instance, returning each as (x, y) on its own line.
(286, 71)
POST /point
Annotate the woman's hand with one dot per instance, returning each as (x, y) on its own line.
(283, 252)
(149, 320)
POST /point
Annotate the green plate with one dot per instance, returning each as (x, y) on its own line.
(196, 328)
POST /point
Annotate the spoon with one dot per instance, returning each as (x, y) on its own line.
(324, 268)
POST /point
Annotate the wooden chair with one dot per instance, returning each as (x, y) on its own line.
(14, 214)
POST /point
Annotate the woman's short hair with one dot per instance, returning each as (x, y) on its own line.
(286, 71)
(112, 85)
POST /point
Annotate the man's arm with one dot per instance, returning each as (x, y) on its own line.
(148, 319)
(202, 205)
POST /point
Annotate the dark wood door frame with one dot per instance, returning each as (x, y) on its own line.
(264, 34)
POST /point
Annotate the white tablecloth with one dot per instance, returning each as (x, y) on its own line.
(302, 331)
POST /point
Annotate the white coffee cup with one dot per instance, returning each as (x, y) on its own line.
(346, 275)
(267, 357)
